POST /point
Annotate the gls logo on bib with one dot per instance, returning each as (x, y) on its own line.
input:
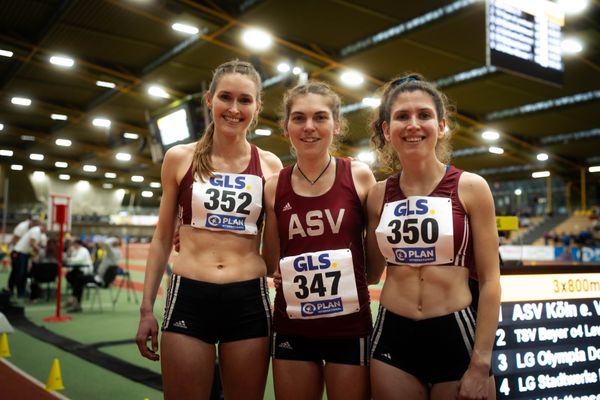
(239, 182)
(403, 209)
(312, 263)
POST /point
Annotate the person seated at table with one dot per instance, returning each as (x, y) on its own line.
(102, 277)
(80, 262)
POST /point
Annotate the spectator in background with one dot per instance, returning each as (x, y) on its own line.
(547, 238)
(564, 242)
(80, 262)
(27, 247)
(585, 237)
(22, 228)
(555, 239)
(104, 275)
(566, 239)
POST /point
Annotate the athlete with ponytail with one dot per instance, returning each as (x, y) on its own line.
(218, 294)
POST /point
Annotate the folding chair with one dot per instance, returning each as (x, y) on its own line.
(43, 273)
(109, 277)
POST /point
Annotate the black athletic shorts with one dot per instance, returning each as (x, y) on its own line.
(351, 350)
(434, 350)
(218, 312)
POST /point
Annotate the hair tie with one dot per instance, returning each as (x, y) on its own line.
(404, 79)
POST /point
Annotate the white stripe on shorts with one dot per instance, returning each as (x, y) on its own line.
(378, 328)
(466, 324)
(365, 350)
(264, 291)
(274, 338)
(171, 298)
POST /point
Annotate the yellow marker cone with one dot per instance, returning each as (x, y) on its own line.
(55, 379)
(4, 349)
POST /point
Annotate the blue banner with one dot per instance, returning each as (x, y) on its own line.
(580, 254)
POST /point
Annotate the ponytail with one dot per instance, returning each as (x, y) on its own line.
(201, 162)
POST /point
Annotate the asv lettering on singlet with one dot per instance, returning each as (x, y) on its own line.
(315, 224)
(319, 284)
(230, 202)
(417, 230)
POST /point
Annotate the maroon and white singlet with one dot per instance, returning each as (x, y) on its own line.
(322, 260)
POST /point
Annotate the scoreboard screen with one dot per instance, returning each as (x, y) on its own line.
(548, 338)
(524, 37)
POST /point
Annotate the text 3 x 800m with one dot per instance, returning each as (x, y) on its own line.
(575, 286)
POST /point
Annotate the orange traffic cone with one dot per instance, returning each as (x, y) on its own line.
(4, 349)
(54, 379)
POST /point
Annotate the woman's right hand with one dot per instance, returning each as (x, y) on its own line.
(148, 330)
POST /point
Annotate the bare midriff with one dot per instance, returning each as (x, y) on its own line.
(425, 291)
(218, 257)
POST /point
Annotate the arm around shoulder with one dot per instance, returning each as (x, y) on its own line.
(271, 162)
(270, 247)
(363, 178)
(375, 261)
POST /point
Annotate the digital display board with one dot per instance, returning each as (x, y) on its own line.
(174, 127)
(524, 36)
(548, 338)
(182, 121)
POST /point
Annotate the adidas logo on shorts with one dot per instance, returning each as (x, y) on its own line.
(287, 207)
(180, 324)
(387, 355)
(285, 345)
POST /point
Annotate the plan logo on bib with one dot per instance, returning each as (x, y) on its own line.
(322, 307)
(228, 222)
(417, 255)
